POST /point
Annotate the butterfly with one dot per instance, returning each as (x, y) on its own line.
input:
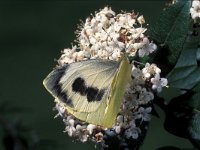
(91, 90)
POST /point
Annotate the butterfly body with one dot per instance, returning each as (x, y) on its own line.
(91, 90)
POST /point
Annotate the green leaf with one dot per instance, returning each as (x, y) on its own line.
(171, 29)
(183, 112)
(186, 73)
(183, 115)
(178, 115)
(181, 52)
(198, 54)
(194, 124)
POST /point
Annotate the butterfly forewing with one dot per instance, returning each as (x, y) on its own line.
(83, 86)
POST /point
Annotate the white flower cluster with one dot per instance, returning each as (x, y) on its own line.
(195, 10)
(106, 36)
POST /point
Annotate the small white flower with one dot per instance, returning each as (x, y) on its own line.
(120, 119)
(131, 21)
(83, 137)
(68, 52)
(150, 69)
(90, 128)
(116, 55)
(132, 123)
(117, 129)
(138, 33)
(137, 76)
(99, 138)
(131, 49)
(71, 122)
(144, 113)
(70, 129)
(195, 9)
(60, 108)
(130, 99)
(121, 45)
(145, 96)
(147, 48)
(136, 72)
(80, 55)
(158, 83)
(137, 46)
(67, 56)
(132, 132)
(80, 133)
(79, 127)
(141, 20)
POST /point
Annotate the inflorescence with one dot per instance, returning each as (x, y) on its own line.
(107, 35)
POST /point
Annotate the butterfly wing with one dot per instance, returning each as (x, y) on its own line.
(82, 86)
(119, 84)
(86, 89)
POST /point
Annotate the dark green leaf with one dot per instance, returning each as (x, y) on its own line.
(194, 124)
(198, 54)
(198, 57)
(183, 112)
(186, 73)
(196, 143)
(178, 115)
(171, 29)
(183, 116)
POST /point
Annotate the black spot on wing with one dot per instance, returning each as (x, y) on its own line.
(100, 95)
(53, 85)
(64, 98)
(79, 86)
(52, 81)
(91, 93)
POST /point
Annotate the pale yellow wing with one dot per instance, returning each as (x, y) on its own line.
(107, 111)
(91, 90)
(82, 86)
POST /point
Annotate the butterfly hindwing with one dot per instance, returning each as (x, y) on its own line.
(119, 84)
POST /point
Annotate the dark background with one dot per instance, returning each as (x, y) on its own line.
(32, 34)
